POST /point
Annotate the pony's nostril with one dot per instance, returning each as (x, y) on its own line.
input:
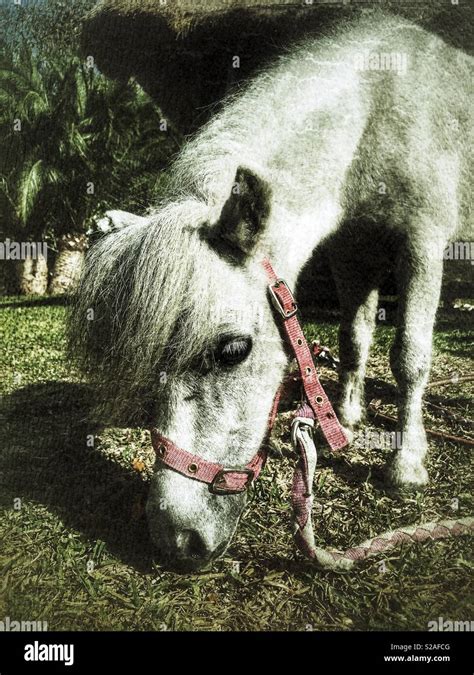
(192, 545)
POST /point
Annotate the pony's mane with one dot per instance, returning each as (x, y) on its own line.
(149, 285)
(142, 304)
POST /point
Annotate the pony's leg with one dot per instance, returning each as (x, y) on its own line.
(358, 298)
(419, 278)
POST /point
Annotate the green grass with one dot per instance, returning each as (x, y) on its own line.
(75, 551)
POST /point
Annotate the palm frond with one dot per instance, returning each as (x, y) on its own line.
(29, 187)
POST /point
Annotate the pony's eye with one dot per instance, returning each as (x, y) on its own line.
(234, 351)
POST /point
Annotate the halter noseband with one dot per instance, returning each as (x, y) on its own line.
(221, 481)
(226, 481)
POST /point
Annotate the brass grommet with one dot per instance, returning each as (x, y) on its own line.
(160, 450)
(308, 370)
(192, 468)
(299, 342)
(319, 400)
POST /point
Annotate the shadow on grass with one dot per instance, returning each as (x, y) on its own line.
(35, 301)
(45, 458)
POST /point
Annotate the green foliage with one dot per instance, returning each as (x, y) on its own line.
(74, 142)
(45, 26)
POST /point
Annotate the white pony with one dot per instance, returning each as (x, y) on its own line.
(330, 143)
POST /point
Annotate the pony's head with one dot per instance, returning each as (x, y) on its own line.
(173, 320)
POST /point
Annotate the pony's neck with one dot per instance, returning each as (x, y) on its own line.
(297, 128)
(292, 237)
(308, 172)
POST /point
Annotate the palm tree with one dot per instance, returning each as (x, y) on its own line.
(23, 101)
(76, 144)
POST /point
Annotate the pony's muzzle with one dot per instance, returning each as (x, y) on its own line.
(189, 526)
(193, 552)
(189, 551)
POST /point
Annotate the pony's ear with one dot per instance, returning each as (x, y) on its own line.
(243, 216)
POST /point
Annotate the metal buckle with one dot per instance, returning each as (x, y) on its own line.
(298, 422)
(214, 486)
(276, 302)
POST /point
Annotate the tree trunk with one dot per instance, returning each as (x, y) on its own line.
(68, 264)
(9, 282)
(33, 275)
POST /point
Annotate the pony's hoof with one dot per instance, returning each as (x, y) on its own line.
(406, 474)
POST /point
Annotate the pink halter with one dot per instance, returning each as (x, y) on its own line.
(222, 480)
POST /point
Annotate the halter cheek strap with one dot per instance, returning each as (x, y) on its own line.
(284, 303)
(315, 405)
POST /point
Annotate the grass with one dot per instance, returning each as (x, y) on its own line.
(74, 543)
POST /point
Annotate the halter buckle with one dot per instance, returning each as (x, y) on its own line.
(276, 302)
(219, 478)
